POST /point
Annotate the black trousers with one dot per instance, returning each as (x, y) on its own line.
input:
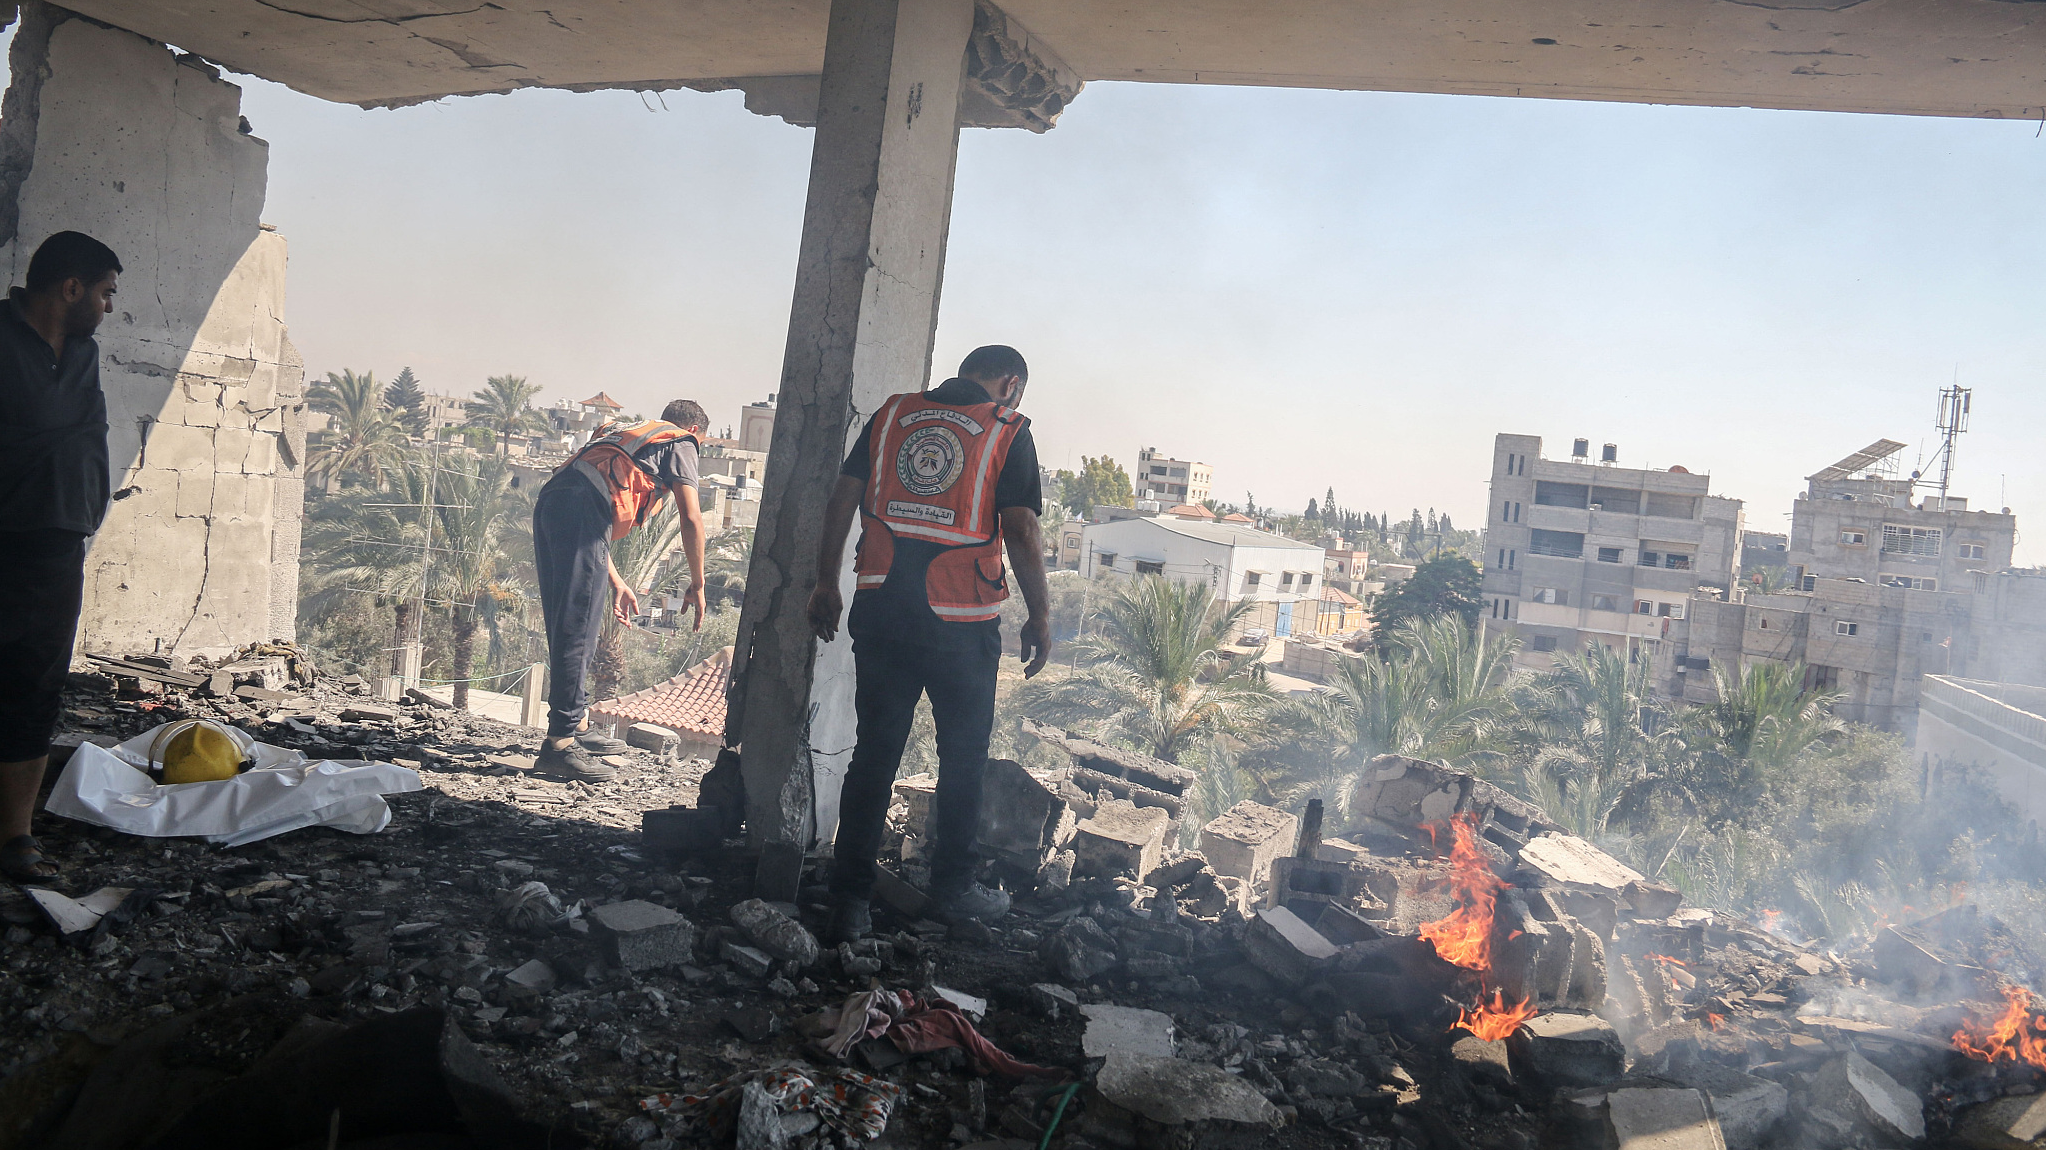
(892, 677)
(572, 554)
(43, 584)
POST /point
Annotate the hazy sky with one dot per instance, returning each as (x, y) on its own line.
(1305, 289)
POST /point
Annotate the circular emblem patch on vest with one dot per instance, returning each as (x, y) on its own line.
(930, 460)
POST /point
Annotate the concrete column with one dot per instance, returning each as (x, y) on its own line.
(110, 133)
(860, 330)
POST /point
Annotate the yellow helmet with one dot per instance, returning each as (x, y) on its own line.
(199, 751)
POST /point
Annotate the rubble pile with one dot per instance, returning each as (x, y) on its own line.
(515, 962)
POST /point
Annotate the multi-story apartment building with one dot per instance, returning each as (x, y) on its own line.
(1279, 576)
(1171, 481)
(1883, 588)
(1578, 552)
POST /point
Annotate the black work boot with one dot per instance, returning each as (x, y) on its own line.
(571, 762)
(601, 744)
(852, 919)
(972, 901)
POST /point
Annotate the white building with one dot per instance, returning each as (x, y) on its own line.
(1235, 562)
(756, 425)
(1170, 481)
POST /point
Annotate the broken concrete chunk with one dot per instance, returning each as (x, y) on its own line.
(1245, 840)
(1053, 1000)
(365, 713)
(1121, 839)
(67, 914)
(1125, 1030)
(1079, 951)
(643, 935)
(776, 933)
(1324, 1078)
(749, 961)
(1175, 1092)
(650, 737)
(2004, 1124)
(1662, 1119)
(1747, 1107)
(1651, 899)
(1485, 1063)
(900, 897)
(1286, 948)
(534, 975)
(1570, 1050)
(1857, 1089)
(1570, 860)
(1177, 873)
(1021, 815)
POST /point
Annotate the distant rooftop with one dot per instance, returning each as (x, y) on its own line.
(1229, 534)
(604, 401)
(691, 703)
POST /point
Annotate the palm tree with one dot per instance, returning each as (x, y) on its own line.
(726, 557)
(638, 558)
(1155, 675)
(476, 512)
(1595, 739)
(1762, 719)
(363, 438)
(504, 407)
(354, 547)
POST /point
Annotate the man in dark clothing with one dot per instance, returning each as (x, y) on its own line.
(923, 617)
(612, 486)
(54, 480)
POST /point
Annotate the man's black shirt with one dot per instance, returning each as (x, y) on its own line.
(900, 609)
(53, 430)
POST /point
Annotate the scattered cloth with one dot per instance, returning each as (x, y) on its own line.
(282, 792)
(854, 1104)
(916, 1025)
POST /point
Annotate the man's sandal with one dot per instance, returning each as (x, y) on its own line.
(22, 860)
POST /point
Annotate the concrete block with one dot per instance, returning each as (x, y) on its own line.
(1856, 1089)
(1482, 1062)
(1079, 951)
(1286, 948)
(1662, 1119)
(1747, 1107)
(1651, 899)
(176, 447)
(917, 793)
(650, 737)
(535, 976)
(1569, 1050)
(749, 961)
(2004, 1124)
(1574, 862)
(1121, 839)
(195, 494)
(644, 936)
(683, 830)
(1052, 1000)
(1222, 1108)
(1339, 851)
(1021, 815)
(1245, 840)
(1125, 1030)
(776, 933)
(1177, 873)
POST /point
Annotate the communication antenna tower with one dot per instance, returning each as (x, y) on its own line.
(1954, 404)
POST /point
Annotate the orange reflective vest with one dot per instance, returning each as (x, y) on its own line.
(932, 473)
(607, 461)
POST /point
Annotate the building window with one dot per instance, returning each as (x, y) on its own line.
(1644, 607)
(1105, 559)
(1853, 538)
(1762, 624)
(1541, 643)
(1920, 541)
(1910, 582)
(1609, 554)
(1306, 581)
(1557, 595)
(1562, 544)
(1669, 610)
(1676, 562)
(1148, 567)
(1649, 559)
(1605, 603)
(1561, 494)
(1843, 627)
(1506, 511)
(1974, 551)
(1250, 578)
(1825, 678)
(1285, 579)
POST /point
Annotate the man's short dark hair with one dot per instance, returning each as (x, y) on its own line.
(69, 254)
(685, 413)
(990, 363)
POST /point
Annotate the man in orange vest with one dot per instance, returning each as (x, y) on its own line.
(941, 480)
(611, 487)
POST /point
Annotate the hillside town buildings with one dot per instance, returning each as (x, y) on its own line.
(1170, 481)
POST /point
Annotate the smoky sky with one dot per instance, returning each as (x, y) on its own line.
(1308, 290)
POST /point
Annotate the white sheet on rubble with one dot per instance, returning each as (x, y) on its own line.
(283, 792)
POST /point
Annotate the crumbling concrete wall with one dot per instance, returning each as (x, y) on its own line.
(115, 135)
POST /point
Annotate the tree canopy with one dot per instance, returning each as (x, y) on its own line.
(1448, 585)
(1100, 482)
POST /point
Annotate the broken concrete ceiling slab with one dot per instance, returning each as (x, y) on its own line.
(1962, 58)
(1573, 862)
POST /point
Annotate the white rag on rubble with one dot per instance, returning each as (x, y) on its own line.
(283, 791)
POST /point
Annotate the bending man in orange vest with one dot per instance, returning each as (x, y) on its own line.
(612, 486)
(940, 480)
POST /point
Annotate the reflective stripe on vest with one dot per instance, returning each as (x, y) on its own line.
(932, 473)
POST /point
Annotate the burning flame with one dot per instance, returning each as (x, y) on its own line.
(1669, 960)
(1770, 919)
(2016, 1035)
(1465, 937)
(1715, 1021)
(1494, 1020)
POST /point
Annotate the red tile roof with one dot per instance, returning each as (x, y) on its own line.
(1338, 595)
(1190, 511)
(602, 400)
(691, 703)
(1237, 517)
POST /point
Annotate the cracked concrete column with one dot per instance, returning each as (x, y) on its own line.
(864, 316)
(107, 132)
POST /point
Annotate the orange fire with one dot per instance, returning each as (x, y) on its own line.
(2016, 1035)
(1770, 919)
(1465, 937)
(1667, 959)
(1494, 1020)
(1715, 1021)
